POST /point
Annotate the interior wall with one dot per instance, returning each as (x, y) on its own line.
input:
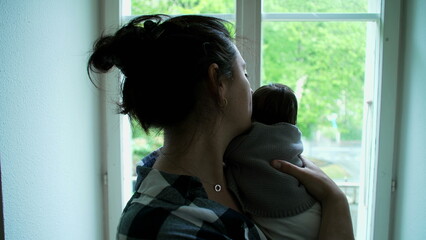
(410, 196)
(49, 121)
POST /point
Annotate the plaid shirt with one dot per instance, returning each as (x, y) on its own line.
(168, 206)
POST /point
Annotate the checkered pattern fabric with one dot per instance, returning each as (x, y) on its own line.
(168, 206)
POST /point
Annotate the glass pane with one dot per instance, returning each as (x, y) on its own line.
(325, 6)
(143, 144)
(323, 62)
(173, 7)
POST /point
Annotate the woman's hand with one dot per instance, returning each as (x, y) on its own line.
(312, 177)
(336, 220)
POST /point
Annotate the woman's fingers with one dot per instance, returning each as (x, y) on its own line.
(312, 177)
(336, 219)
(289, 168)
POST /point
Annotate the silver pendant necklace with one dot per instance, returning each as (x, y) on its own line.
(217, 187)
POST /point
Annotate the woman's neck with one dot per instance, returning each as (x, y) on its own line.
(199, 155)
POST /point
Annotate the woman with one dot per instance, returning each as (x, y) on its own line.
(185, 76)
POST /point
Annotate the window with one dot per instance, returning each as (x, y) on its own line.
(339, 57)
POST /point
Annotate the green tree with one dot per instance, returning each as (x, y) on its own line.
(287, 6)
(143, 143)
(172, 7)
(322, 61)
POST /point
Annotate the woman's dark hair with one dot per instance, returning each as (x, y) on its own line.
(274, 103)
(164, 61)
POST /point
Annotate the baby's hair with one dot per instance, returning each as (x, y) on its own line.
(165, 63)
(274, 103)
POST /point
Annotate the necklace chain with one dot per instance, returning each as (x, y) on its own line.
(216, 187)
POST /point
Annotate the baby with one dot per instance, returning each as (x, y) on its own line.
(276, 202)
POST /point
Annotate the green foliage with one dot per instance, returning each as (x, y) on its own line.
(322, 61)
(174, 7)
(143, 143)
(315, 6)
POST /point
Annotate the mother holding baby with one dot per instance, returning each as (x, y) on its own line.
(185, 76)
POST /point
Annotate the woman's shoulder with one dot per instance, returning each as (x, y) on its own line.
(161, 208)
(184, 222)
(167, 206)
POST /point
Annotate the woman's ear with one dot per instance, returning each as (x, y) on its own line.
(216, 84)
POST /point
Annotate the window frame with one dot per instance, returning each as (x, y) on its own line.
(381, 107)
(116, 134)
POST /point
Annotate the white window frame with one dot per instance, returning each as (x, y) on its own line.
(380, 107)
(374, 217)
(117, 134)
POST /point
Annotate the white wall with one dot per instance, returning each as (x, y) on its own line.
(49, 121)
(410, 205)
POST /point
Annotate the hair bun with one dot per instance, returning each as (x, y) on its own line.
(152, 29)
(165, 59)
(149, 25)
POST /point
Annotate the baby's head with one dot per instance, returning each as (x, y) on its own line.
(274, 103)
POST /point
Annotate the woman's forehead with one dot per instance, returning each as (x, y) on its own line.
(239, 59)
